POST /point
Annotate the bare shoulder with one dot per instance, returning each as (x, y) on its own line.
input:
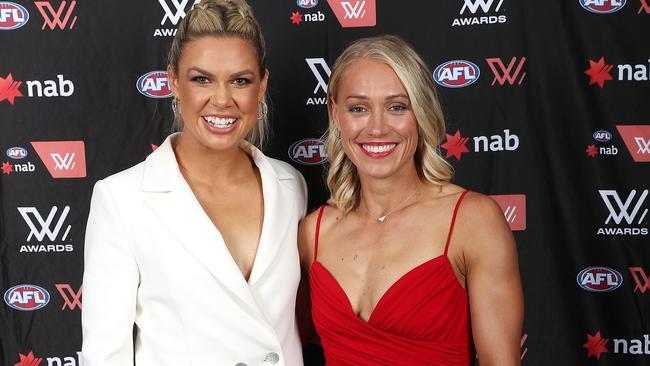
(307, 232)
(481, 228)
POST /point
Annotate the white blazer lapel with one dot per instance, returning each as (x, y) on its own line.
(180, 212)
(279, 212)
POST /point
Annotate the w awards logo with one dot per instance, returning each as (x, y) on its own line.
(637, 141)
(50, 231)
(174, 11)
(63, 159)
(627, 214)
(355, 13)
(61, 15)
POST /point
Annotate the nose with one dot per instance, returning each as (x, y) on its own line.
(376, 125)
(221, 95)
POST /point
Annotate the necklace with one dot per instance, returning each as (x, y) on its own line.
(382, 218)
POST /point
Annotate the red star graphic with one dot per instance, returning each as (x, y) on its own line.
(595, 345)
(599, 72)
(7, 168)
(591, 150)
(9, 89)
(455, 145)
(296, 17)
(154, 147)
(28, 360)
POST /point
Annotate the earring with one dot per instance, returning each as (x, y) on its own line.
(263, 110)
(175, 106)
(337, 133)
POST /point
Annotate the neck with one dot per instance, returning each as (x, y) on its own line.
(385, 196)
(200, 163)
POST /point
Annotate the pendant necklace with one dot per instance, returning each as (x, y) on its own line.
(382, 218)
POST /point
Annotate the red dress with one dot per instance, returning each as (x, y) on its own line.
(422, 319)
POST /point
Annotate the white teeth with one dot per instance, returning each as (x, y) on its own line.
(378, 148)
(219, 122)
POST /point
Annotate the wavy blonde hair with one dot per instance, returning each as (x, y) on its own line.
(342, 176)
(222, 18)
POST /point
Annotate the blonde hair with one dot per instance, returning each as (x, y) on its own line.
(342, 176)
(222, 18)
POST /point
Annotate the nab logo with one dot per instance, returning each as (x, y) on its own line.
(637, 141)
(322, 77)
(154, 84)
(631, 211)
(26, 297)
(599, 279)
(355, 13)
(63, 159)
(12, 15)
(16, 152)
(602, 136)
(307, 4)
(514, 209)
(602, 6)
(308, 152)
(71, 298)
(456, 144)
(456, 74)
(59, 18)
(509, 74)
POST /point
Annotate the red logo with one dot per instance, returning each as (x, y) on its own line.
(644, 7)
(9, 89)
(592, 150)
(599, 72)
(637, 141)
(640, 278)
(507, 74)
(296, 17)
(28, 360)
(56, 18)
(524, 350)
(7, 168)
(354, 13)
(71, 298)
(63, 159)
(456, 145)
(595, 345)
(514, 209)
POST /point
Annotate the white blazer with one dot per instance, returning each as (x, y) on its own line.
(153, 258)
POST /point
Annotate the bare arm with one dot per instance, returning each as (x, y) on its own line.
(493, 283)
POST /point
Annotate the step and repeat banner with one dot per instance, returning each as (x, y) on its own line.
(547, 106)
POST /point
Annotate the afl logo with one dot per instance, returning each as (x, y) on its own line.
(456, 74)
(308, 152)
(154, 85)
(26, 297)
(602, 136)
(12, 15)
(16, 152)
(307, 4)
(599, 279)
(603, 6)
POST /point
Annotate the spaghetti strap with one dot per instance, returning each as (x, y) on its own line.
(453, 220)
(320, 216)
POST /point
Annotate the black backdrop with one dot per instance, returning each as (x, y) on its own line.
(547, 107)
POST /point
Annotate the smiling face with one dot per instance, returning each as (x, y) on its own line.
(219, 87)
(373, 112)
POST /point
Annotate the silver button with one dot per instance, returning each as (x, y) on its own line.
(272, 358)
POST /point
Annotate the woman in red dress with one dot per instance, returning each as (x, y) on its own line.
(404, 267)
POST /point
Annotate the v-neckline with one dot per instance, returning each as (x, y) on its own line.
(388, 290)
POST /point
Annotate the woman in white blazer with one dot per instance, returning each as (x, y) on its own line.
(191, 255)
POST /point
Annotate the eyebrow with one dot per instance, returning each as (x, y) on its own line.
(388, 97)
(235, 75)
